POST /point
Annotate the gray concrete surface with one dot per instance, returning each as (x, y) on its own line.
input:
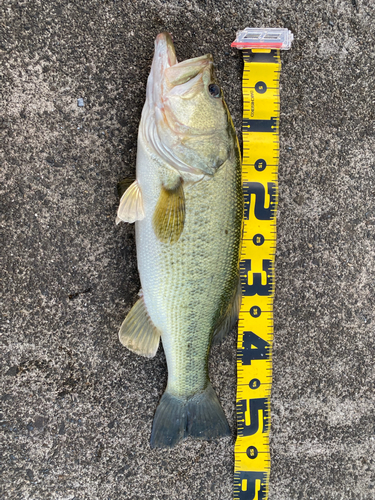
(76, 407)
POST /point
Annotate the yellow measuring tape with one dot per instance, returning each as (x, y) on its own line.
(260, 130)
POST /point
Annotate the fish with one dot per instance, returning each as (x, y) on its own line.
(187, 205)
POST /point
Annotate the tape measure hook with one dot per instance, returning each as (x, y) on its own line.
(263, 38)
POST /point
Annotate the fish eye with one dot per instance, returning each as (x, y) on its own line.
(214, 90)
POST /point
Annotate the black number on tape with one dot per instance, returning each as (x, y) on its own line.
(253, 406)
(253, 347)
(251, 125)
(250, 485)
(255, 278)
(260, 211)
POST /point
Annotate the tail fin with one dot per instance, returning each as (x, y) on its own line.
(200, 416)
(205, 416)
(169, 426)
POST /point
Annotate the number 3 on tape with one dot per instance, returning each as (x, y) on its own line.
(260, 129)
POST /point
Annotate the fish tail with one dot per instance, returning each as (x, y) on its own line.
(206, 419)
(169, 424)
(200, 416)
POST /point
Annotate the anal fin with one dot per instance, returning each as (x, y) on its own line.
(138, 333)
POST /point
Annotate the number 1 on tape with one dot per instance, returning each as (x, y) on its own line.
(260, 129)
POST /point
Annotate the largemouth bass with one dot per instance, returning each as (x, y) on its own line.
(187, 206)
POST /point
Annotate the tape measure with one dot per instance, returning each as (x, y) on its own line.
(260, 128)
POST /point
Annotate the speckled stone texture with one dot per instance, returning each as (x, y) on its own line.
(77, 407)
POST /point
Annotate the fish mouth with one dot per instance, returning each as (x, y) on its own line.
(169, 78)
(181, 73)
(164, 50)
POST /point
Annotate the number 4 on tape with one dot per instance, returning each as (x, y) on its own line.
(260, 128)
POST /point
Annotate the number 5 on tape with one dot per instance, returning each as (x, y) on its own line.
(260, 128)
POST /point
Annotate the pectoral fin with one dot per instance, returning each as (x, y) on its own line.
(138, 333)
(231, 316)
(131, 205)
(169, 216)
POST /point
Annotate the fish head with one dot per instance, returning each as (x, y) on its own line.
(186, 120)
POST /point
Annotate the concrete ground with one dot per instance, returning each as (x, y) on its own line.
(77, 407)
